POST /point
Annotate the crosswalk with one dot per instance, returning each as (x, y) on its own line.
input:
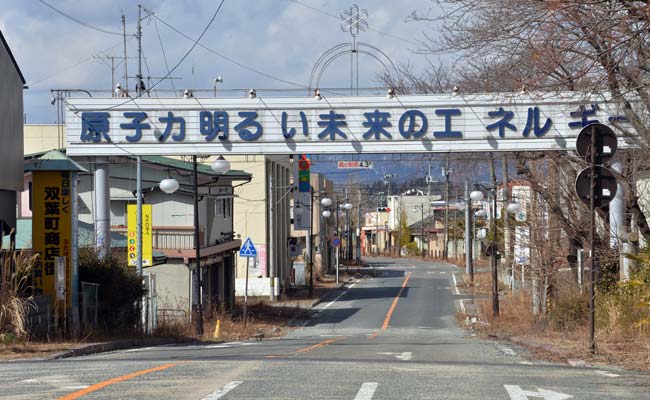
(366, 391)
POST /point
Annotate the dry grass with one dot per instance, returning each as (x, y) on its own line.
(560, 342)
(14, 305)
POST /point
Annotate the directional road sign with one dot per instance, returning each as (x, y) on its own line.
(336, 241)
(248, 249)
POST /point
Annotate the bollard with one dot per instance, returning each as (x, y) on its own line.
(217, 328)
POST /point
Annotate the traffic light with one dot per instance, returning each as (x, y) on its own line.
(383, 209)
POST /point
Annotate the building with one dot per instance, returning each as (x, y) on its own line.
(12, 84)
(172, 224)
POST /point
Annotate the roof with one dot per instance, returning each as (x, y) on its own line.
(188, 166)
(53, 161)
(11, 56)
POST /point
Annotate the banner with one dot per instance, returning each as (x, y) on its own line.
(51, 233)
(147, 233)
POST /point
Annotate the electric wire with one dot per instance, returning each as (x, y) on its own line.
(162, 48)
(80, 22)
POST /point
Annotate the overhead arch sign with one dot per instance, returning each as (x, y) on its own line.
(322, 125)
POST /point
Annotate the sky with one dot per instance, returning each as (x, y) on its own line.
(249, 43)
(280, 38)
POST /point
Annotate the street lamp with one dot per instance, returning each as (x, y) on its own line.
(348, 241)
(170, 185)
(493, 247)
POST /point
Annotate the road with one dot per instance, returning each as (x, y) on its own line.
(392, 336)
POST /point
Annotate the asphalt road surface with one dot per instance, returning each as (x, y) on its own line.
(392, 336)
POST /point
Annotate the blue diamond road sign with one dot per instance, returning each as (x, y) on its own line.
(248, 250)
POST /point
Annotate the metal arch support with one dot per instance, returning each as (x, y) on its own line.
(340, 50)
(317, 65)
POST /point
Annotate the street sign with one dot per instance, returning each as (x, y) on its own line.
(605, 189)
(336, 241)
(606, 143)
(248, 249)
(354, 165)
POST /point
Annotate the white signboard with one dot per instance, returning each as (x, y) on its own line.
(306, 125)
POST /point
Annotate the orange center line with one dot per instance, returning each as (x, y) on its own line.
(100, 385)
(391, 309)
(308, 349)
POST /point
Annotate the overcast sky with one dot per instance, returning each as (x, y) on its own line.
(278, 37)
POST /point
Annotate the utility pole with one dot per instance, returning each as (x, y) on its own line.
(422, 228)
(126, 72)
(494, 246)
(358, 258)
(139, 83)
(468, 233)
(197, 249)
(446, 172)
(271, 261)
(310, 245)
(506, 221)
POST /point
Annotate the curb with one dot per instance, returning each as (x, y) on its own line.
(118, 345)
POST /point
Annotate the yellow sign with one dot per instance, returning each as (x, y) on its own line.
(147, 233)
(51, 233)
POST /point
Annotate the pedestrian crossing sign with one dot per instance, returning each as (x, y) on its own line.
(248, 249)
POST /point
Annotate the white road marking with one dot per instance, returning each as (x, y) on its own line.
(576, 363)
(219, 393)
(61, 382)
(608, 374)
(218, 346)
(337, 297)
(406, 356)
(517, 393)
(367, 391)
(137, 349)
(525, 363)
(461, 302)
(508, 351)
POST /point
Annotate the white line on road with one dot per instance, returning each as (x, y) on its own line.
(337, 297)
(508, 351)
(367, 391)
(456, 291)
(219, 393)
(608, 374)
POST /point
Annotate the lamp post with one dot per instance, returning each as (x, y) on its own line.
(348, 238)
(169, 185)
(326, 202)
(493, 247)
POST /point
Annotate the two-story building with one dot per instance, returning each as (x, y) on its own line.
(12, 84)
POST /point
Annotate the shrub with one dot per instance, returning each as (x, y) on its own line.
(120, 290)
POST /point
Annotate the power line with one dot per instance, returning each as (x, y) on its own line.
(338, 18)
(238, 63)
(80, 22)
(162, 48)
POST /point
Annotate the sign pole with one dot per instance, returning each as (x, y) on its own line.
(592, 232)
(248, 259)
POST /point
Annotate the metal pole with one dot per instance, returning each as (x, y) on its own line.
(138, 86)
(592, 245)
(358, 258)
(468, 230)
(138, 216)
(270, 261)
(126, 60)
(197, 249)
(446, 238)
(75, 252)
(246, 293)
(310, 245)
(422, 229)
(493, 259)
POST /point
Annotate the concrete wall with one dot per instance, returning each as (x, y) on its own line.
(43, 137)
(173, 284)
(11, 137)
